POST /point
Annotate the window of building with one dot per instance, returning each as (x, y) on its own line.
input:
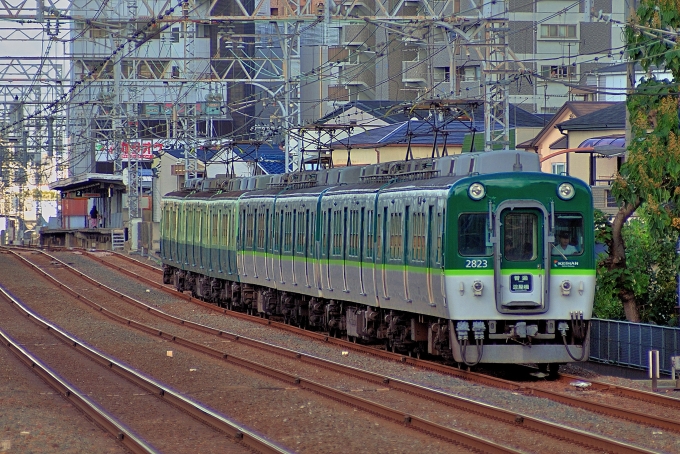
(611, 200)
(99, 33)
(559, 168)
(469, 73)
(558, 31)
(558, 71)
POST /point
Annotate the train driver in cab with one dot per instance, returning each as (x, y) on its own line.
(563, 246)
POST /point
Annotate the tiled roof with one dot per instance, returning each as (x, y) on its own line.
(387, 111)
(577, 108)
(580, 108)
(393, 113)
(269, 158)
(421, 133)
(202, 154)
(612, 117)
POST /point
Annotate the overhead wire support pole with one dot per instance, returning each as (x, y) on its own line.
(496, 105)
(134, 145)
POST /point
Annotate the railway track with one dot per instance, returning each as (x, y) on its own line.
(595, 387)
(422, 432)
(518, 421)
(143, 414)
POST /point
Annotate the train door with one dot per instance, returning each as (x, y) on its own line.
(254, 239)
(382, 227)
(227, 234)
(327, 248)
(360, 236)
(295, 246)
(220, 240)
(428, 254)
(309, 240)
(344, 215)
(406, 243)
(280, 243)
(266, 245)
(522, 264)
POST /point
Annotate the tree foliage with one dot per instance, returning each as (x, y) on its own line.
(650, 273)
(650, 177)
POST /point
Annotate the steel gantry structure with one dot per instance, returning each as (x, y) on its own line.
(120, 80)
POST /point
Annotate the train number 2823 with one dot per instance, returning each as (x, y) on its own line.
(477, 263)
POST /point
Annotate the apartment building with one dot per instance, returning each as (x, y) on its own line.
(552, 46)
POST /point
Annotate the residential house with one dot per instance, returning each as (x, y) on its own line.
(420, 137)
(585, 140)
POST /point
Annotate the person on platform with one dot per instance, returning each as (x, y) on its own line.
(94, 217)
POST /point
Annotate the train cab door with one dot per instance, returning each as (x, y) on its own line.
(522, 261)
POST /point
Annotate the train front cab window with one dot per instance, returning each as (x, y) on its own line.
(520, 239)
(568, 234)
(472, 235)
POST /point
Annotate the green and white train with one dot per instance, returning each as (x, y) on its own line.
(478, 257)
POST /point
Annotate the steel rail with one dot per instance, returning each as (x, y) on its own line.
(97, 414)
(416, 423)
(424, 364)
(525, 421)
(213, 419)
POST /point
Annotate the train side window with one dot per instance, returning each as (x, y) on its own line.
(353, 233)
(324, 233)
(260, 229)
(287, 231)
(396, 237)
(369, 234)
(337, 232)
(204, 231)
(472, 233)
(214, 239)
(311, 242)
(378, 238)
(419, 231)
(250, 225)
(568, 234)
(275, 232)
(301, 233)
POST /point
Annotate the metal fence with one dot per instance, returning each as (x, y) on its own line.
(628, 344)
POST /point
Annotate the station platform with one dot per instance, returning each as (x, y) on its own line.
(88, 238)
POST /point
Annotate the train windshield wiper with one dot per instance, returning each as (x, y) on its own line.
(560, 252)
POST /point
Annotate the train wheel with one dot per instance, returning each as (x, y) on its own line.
(554, 371)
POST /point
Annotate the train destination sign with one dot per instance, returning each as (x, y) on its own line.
(520, 282)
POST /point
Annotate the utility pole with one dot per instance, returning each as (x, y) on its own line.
(495, 72)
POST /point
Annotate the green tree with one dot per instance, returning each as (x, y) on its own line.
(650, 273)
(651, 173)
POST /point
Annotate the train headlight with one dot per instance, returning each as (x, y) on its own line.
(566, 288)
(476, 191)
(477, 288)
(566, 191)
